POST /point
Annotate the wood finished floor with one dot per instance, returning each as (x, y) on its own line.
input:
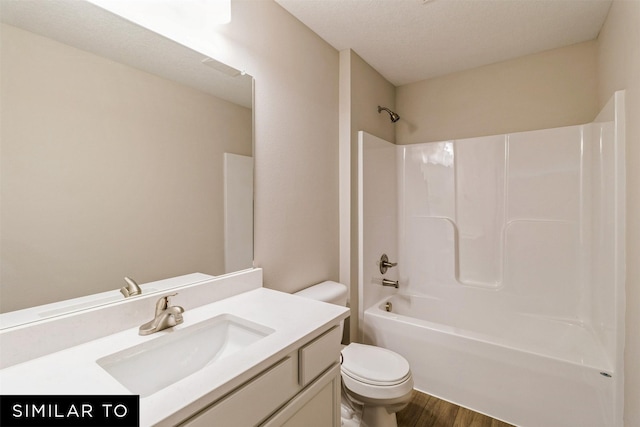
(429, 411)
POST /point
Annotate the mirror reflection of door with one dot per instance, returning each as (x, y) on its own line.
(238, 212)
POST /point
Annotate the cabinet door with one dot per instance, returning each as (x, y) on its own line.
(316, 406)
(319, 354)
(254, 401)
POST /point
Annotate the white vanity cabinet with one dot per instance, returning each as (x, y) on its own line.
(302, 389)
(290, 376)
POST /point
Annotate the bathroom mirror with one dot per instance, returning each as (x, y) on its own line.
(122, 153)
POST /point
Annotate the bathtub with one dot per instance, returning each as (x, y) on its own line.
(524, 369)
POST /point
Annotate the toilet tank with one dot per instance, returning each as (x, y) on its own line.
(331, 292)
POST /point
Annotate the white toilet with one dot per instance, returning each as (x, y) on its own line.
(376, 378)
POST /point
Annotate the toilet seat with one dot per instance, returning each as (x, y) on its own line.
(375, 373)
(374, 365)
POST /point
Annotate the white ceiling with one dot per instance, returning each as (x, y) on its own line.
(412, 40)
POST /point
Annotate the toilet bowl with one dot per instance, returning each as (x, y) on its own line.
(377, 379)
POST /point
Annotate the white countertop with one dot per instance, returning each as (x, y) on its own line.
(75, 371)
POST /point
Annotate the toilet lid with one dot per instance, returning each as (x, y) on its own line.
(374, 365)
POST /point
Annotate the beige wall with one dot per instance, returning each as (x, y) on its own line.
(368, 90)
(296, 141)
(618, 57)
(107, 171)
(544, 90)
(362, 90)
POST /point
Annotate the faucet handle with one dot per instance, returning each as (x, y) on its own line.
(163, 303)
(385, 264)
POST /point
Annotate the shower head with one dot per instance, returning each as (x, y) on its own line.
(394, 117)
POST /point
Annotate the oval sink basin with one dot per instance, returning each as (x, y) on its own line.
(151, 366)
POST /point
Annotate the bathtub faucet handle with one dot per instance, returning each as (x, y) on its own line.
(387, 282)
(385, 264)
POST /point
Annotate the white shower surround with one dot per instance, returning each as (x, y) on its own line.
(511, 268)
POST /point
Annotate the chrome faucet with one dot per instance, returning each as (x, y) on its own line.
(166, 316)
(131, 289)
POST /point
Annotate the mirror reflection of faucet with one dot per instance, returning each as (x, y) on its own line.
(166, 316)
(131, 289)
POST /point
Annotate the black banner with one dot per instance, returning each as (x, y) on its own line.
(67, 411)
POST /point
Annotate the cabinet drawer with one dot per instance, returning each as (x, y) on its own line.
(318, 355)
(254, 401)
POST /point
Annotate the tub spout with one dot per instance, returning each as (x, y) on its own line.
(387, 282)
